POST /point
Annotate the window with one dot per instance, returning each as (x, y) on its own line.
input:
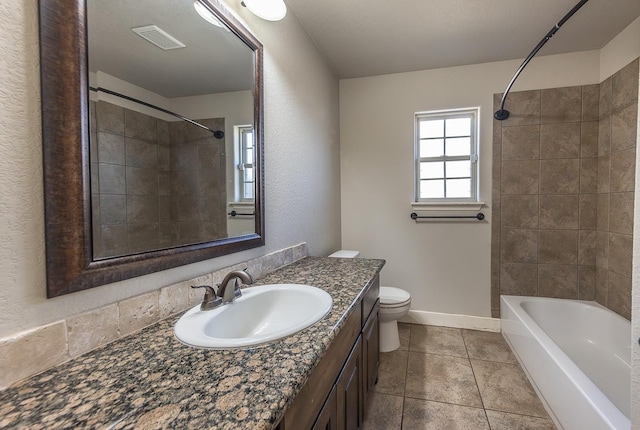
(446, 156)
(245, 163)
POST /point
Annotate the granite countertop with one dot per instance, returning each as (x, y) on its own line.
(150, 380)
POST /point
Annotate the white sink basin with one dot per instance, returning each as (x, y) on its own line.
(262, 314)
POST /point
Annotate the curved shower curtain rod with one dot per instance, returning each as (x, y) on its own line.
(502, 114)
(218, 134)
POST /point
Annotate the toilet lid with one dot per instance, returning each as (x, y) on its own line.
(393, 296)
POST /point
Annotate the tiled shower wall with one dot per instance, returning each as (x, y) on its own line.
(155, 183)
(563, 193)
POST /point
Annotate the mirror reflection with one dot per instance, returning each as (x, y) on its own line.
(171, 142)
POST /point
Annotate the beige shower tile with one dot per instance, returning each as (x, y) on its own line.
(524, 108)
(140, 126)
(519, 210)
(32, 352)
(560, 176)
(624, 128)
(520, 176)
(521, 142)
(109, 118)
(587, 247)
(602, 285)
(625, 86)
(111, 148)
(138, 312)
(621, 212)
(589, 139)
(392, 373)
(588, 211)
(586, 282)
(558, 247)
(559, 211)
(561, 105)
(384, 412)
(519, 279)
(441, 378)
(425, 415)
(623, 165)
(604, 174)
(621, 253)
(488, 346)
(92, 329)
(606, 95)
(558, 280)
(602, 249)
(504, 421)
(496, 161)
(589, 175)
(504, 387)
(619, 295)
(560, 140)
(590, 102)
(603, 211)
(519, 246)
(437, 340)
(604, 136)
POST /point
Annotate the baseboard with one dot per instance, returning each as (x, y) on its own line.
(452, 320)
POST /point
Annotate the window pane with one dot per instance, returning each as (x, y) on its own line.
(248, 175)
(460, 188)
(248, 191)
(459, 146)
(431, 148)
(432, 170)
(459, 127)
(432, 128)
(433, 189)
(458, 169)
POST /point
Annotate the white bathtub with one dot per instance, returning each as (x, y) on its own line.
(577, 355)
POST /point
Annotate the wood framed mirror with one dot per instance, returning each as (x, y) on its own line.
(75, 256)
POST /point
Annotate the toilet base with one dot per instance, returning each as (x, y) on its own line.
(389, 338)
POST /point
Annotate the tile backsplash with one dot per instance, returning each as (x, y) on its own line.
(38, 349)
(563, 192)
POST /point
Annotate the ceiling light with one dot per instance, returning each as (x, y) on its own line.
(207, 15)
(271, 10)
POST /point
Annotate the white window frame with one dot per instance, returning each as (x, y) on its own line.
(243, 163)
(474, 114)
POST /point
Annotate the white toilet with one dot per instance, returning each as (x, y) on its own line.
(394, 304)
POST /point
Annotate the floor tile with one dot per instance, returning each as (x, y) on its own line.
(422, 414)
(488, 346)
(437, 340)
(441, 378)
(384, 412)
(504, 421)
(504, 387)
(392, 373)
(404, 332)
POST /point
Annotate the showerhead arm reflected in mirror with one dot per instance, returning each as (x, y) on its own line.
(218, 134)
(502, 114)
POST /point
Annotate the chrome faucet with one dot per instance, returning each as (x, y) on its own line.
(225, 294)
(229, 294)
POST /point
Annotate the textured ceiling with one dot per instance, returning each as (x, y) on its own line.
(374, 37)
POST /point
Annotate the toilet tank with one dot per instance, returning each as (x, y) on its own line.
(345, 253)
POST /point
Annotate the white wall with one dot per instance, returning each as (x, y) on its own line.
(445, 266)
(301, 153)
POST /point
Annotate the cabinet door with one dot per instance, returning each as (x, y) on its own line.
(328, 418)
(349, 391)
(371, 351)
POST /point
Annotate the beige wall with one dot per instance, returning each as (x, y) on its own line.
(301, 153)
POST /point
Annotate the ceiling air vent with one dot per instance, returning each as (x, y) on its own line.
(158, 37)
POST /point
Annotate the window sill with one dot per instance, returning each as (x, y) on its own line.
(447, 206)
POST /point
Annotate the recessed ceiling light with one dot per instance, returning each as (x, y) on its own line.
(271, 10)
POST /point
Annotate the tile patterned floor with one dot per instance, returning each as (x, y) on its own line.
(451, 379)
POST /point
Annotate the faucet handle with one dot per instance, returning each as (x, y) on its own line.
(210, 300)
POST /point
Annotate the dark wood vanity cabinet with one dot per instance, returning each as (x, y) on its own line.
(335, 395)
